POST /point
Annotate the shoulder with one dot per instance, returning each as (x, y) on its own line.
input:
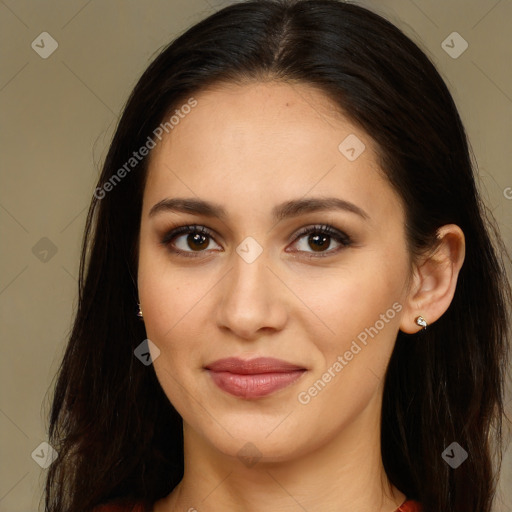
(409, 506)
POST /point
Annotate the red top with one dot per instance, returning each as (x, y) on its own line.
(407, 506)
(119, 508)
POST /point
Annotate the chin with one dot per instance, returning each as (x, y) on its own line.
(252, 444)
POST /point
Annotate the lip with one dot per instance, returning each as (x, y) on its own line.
(252, 366)
(253, 378)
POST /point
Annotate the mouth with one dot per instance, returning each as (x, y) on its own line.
(254, 378)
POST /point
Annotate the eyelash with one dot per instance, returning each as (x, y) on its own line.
(323, 229)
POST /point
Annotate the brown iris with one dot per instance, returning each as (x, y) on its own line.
(319, 239)
(196, 238)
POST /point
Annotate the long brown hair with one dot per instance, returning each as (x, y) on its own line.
(117, 434)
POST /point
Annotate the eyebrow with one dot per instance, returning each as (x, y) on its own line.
(292, 208)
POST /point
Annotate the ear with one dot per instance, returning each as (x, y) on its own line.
(434, 279)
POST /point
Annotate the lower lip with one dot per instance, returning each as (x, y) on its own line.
(256, 385)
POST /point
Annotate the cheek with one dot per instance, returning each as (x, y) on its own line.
(164, 295)
(362, 313)
(354, 297)
(173, 301)
(163, 290)
(169, 307)
(360, 304)
(174, 326)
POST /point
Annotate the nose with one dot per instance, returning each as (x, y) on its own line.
(253, 299)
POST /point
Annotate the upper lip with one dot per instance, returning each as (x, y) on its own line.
(252, 366)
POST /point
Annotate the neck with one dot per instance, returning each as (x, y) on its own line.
(343, 474)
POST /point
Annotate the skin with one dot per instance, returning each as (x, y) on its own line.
(249, 148)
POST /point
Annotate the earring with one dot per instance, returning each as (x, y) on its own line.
(421, 322)
(139, 314)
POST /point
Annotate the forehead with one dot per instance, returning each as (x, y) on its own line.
(260, 142)
(274, 114)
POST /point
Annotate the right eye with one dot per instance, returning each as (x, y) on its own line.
(197, 238)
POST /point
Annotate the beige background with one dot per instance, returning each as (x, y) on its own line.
(58, 115)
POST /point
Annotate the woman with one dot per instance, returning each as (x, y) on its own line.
(290, 298)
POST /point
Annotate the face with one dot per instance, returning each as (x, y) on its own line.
(275, 276)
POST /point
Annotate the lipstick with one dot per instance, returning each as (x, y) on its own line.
(254, 378)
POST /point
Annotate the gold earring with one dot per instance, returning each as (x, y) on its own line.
(421, 322)
(139, 314)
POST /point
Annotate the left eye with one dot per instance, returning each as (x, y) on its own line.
(198, 237)
(321, 237)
